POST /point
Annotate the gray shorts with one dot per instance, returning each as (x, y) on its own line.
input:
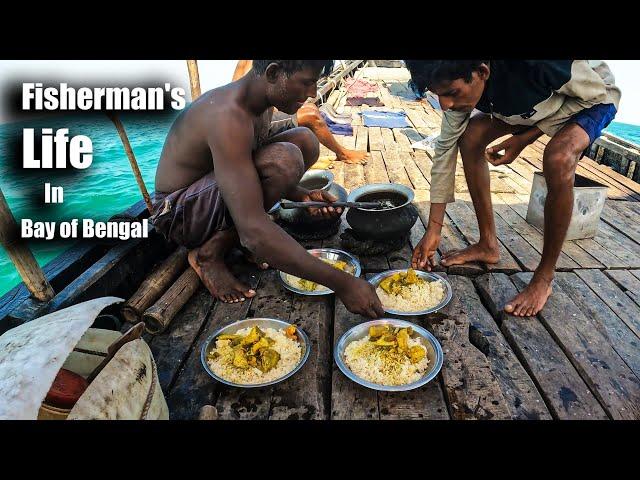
(281, 122)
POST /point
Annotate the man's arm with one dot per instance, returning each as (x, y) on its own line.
(230, 144)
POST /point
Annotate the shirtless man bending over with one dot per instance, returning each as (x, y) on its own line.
(220, 171)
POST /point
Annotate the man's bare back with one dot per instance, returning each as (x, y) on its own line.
(186, 155)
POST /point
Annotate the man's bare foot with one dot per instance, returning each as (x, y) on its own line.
(208, 262)
(352, 156)
(473, 253)
(530, 300)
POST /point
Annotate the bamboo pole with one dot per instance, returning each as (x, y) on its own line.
(132, 159)
(21, 255)
(194, 78)
(158, 317)
(154, 285)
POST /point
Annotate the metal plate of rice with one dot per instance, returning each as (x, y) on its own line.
(262, 323)
(333, 254)
(429, 277)
(431, 344)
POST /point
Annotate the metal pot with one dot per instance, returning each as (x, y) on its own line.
(387, 223)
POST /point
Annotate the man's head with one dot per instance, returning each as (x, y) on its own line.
(291, 82)
(459, 84)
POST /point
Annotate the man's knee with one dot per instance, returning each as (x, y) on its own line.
(284, 161)
(559, 165)
(309, 146)
(474, 138)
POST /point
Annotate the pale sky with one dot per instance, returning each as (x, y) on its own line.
(214, 73)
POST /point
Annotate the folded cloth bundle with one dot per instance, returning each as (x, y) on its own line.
(371, 101)
(360, 87)
(337, 128)
(380, 118)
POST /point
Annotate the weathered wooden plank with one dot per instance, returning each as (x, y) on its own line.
(305, 395)
(395, 167)
(565, 393)
(353, 176)
(609, 378)
(424, 403)
(604, 287)
(465, 219)
(424, 164)
(362, 138)
(171, 348)
(415, 175)
(569, 248)
(404, 144)
(375, 170)
(272, 300)
(349, 400)
(400, 258)
(193, 386)
(523, 399)
(628, 282)
(502, 206)
(375, 139)
(612, 174)
(338, 173)
(388, 140)
(417, 117)
(471, 388)
(619, 335)
(607, 258)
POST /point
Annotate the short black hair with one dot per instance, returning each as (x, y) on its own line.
(427, 73)
(292, 66)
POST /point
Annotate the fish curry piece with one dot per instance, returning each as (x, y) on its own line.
(397, 339)
(393, 284)
(253, 349)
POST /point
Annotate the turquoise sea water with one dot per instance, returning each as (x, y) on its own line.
(625, 130)
(105, 188)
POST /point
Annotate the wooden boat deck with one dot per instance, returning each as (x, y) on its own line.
(578, 359)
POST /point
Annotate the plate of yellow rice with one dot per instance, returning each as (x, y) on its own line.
(389, 355)
(411, 292)
(255, 352)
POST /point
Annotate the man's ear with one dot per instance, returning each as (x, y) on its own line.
(484, 71)
(272, 71)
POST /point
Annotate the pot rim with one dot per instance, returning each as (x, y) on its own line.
(382, 187)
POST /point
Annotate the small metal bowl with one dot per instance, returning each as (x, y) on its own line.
(329, 254)
(250, 322)
(429, 277)
(434, 353)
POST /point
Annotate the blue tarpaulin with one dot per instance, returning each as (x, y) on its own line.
(378, 118)
(337, 128)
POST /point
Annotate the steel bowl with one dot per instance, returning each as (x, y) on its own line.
(317, 180)
(434, 353)
(429, 277)
(262, 323)
(329, 254)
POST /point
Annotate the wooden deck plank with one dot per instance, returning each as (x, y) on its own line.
(362, 138)
(464, 218)
(619, 335)
(349, 400)
(564, 391)
(375, 139)
(416, 177)
(375, 170)
(395, 167)
(388, 139)
(611, 173)
(272, 300)
(604, 287)
(193, 386)
(305, 395)
(171, 348)
(471, 388)
(404, 144)
(600, 366)
(424, 164)
(621, 220)
(627, 281)
(523, 399)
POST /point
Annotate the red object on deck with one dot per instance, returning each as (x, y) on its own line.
(66, 389)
